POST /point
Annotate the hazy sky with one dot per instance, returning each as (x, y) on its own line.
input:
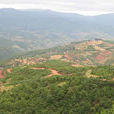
(86, 7)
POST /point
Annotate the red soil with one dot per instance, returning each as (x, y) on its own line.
(99, 57)
(67, 56)
(53, 73)
(9, 70)
(106, 52)
(1, 75)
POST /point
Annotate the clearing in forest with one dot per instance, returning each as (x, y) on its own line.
(53, 73)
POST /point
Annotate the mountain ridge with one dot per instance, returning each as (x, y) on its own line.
(31, 30)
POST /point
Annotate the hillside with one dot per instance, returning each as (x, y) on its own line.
(54, 60)
(89, 53)
(57, 87)
(77, 78)
(27, 30)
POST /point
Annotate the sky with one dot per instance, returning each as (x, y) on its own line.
(84, 7)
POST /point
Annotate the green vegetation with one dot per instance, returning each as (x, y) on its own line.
(70, 92)
(105, 71)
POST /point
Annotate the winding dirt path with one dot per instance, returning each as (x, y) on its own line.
(53, 72)
(89, 75)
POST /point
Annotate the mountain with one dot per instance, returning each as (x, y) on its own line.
(27, 30)
(76, 77)
(84, 53)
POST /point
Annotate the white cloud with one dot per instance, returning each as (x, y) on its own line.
(86, 7)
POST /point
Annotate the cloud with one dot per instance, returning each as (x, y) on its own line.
(87, 7)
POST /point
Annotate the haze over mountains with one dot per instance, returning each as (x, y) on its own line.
(26, 30)
(56, 63)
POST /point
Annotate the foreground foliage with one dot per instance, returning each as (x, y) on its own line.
(70, 93)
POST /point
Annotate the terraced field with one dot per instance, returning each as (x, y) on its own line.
(86, 53)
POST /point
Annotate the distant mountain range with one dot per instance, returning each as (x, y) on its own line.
(26, 30)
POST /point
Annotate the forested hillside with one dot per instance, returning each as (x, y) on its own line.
(57, 87)
(72, 79)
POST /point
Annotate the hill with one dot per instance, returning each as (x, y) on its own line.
(27, 30)
(89, 53)
(57, 87)
(77, 78)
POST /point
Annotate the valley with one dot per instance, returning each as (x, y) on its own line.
(25, 30)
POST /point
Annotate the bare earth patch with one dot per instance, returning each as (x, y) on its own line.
(106, 53)
(56, 57)
(53, 73)
(34, 68)
(101, 59)
(99, 48)
(9, 70)
(62, 84)
(1, 75)
(88, 43)
(77, 65)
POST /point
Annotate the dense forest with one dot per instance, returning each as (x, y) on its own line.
(56, 87)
